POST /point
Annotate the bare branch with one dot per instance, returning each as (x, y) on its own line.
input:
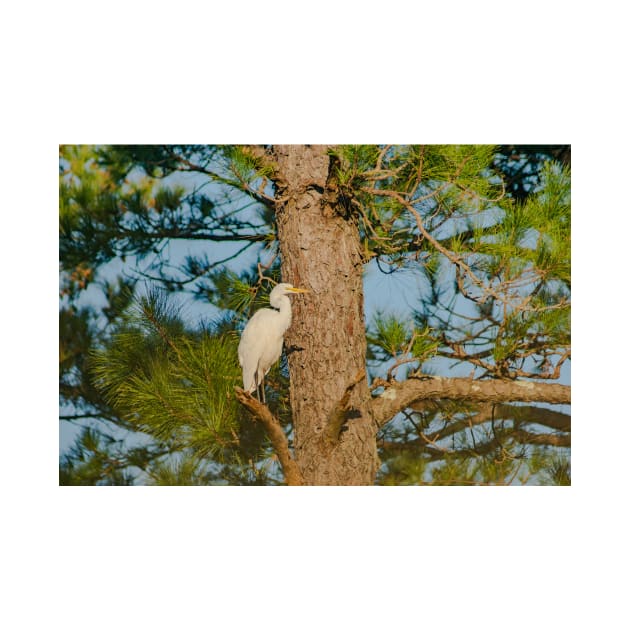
(261, 412)
(488, 412)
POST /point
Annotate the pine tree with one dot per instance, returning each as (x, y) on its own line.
(486, 230)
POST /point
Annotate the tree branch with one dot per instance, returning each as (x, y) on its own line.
(400, 395)
(435, 453)
(261, 412)
(524, 413)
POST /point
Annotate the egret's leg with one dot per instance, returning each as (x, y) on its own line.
(258, 380)
(260, 387)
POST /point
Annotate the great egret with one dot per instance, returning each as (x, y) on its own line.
(261, 342)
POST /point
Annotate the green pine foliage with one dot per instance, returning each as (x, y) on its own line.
(95, 459)
(184, 470)
(171, 384)
(248, 169)
(393, 339)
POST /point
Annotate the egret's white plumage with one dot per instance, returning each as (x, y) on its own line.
(261, 342)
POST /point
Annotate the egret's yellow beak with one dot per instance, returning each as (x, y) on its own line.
(297, 290)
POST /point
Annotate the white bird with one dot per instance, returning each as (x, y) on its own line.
(261, 342)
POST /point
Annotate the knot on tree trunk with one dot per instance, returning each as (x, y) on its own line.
(341, 412)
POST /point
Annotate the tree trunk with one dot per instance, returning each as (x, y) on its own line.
(320, 249)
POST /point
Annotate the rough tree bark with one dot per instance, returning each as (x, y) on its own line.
(334, 429)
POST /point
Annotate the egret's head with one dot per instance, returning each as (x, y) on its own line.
(282, 289)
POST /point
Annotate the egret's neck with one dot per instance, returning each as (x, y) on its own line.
(283, 304)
